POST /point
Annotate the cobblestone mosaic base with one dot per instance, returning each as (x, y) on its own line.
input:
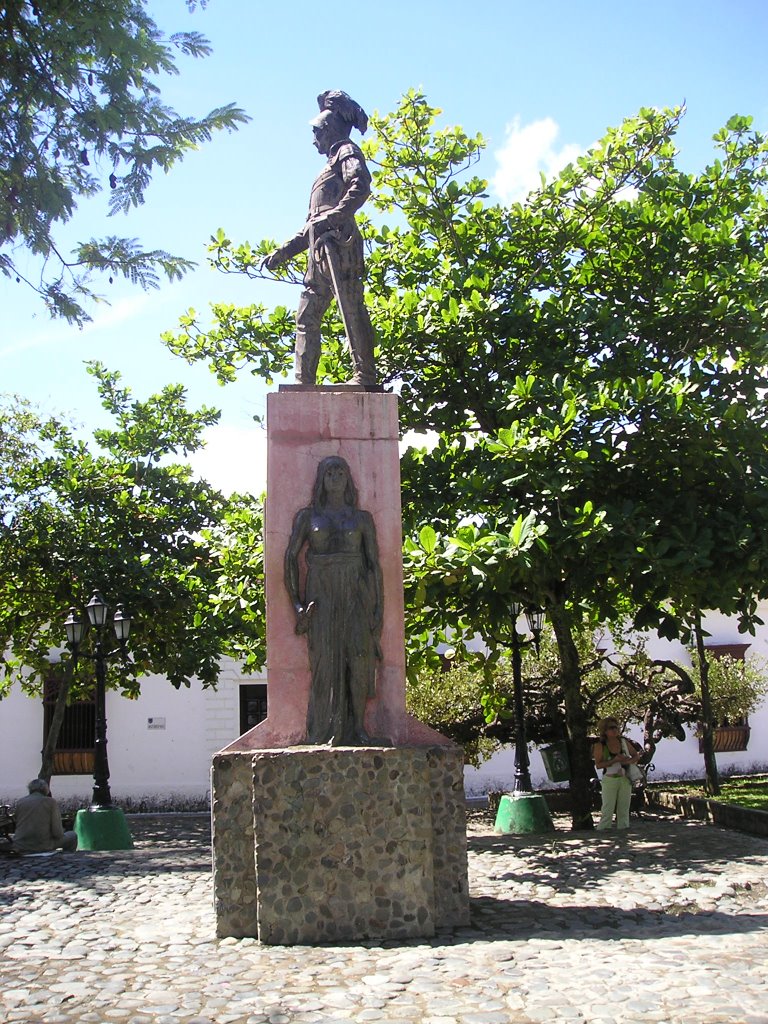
(232, 842)
(350, 844)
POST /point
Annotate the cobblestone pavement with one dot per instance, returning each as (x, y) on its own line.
(668, 923)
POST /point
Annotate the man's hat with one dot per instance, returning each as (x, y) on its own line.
(343, 107)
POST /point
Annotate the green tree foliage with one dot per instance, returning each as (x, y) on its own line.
(592, 362)
(449, 700)
(471, 697)
(123, 518)
(82, 111)
(473, 702)
(738, 686)
(727, 689)
(236, 599)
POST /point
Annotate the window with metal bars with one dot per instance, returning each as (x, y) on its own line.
(74, 748)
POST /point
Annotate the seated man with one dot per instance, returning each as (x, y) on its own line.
(38, 823)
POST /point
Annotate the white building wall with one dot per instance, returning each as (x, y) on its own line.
(222, 709)
(21, 740)
(159, 744)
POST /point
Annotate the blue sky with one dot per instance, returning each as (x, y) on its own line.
(541, 81)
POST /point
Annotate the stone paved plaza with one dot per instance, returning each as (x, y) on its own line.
(666, 924)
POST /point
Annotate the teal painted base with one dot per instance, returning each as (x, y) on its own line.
(523, 814)
(102, 830)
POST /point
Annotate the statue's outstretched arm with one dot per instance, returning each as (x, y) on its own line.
(287, 250)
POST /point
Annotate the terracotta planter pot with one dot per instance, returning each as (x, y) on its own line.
(73, 762)
(729, 738)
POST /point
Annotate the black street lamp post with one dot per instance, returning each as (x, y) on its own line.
(535, 619)
(75, 627)
(523, 811)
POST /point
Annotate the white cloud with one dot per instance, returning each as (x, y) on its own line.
(234, 459)
(419, 439)
(628, 194)
(527, 151)
(58, 332)
(118, 312)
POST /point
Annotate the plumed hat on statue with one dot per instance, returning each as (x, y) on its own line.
(344, 108)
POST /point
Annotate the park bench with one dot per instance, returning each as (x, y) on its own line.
(7, 824)
(7, 827)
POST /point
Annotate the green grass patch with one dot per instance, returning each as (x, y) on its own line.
(747, 791)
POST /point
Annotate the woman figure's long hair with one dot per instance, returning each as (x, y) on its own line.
(318, 491)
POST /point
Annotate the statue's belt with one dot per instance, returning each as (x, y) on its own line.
(340, 557)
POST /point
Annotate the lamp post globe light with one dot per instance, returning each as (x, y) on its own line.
(523, 811)
(102, 826)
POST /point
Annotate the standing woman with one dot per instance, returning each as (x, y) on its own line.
(342, 608)
(611, 754)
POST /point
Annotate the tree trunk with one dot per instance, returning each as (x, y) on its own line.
(712, 784)
(576, 721)
(52, 739)
(649, 736)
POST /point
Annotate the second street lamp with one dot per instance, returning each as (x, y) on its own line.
(522, 761)
(523, 811)
(535, 618)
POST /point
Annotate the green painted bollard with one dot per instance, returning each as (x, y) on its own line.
(102, 829)
(523, 813)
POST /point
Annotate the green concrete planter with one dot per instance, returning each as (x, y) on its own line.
(104, 829)
(523, 814)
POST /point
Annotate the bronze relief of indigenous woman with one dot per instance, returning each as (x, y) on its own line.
(341, 612)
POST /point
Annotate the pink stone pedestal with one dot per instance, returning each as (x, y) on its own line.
(314, 844)
(303, 427)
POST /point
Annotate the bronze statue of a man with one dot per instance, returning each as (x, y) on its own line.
(332, 238)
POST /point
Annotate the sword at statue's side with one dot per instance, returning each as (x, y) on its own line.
(327, 243)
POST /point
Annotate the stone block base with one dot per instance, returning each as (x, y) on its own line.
(318, 844)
